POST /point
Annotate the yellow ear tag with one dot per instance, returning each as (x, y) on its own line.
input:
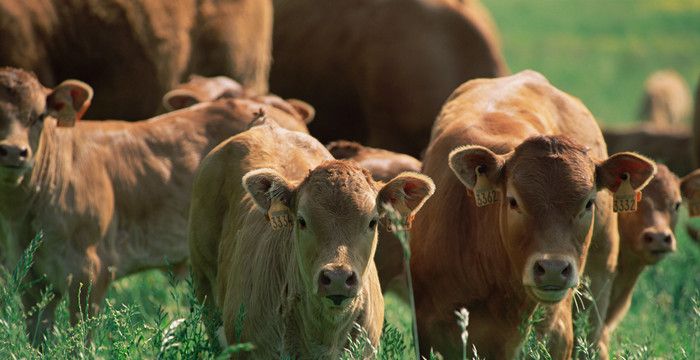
(484, 191)
(625, 198)
(694, 205)
(279, 215)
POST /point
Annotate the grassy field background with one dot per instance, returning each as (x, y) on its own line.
(600, 51)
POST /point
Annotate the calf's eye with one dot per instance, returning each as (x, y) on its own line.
(372, 223)
(676, 206)
(302, 222)
(512, 203)
(589, 205)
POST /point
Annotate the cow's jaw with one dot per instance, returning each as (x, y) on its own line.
(12, 176)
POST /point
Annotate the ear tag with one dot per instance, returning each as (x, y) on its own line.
(694, 205)
(625, 198)
(484, 191)
(279, 215)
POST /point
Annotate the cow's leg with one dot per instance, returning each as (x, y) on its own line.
(88, 287)
(39, 321)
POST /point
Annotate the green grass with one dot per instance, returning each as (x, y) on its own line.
(601, 50)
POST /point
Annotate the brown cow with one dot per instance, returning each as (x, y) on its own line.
(200, 89)
(646, 237)
(666, 101)
(284, 233)
(111, 197)
(132, 52)
(502, 139)
(377, 71)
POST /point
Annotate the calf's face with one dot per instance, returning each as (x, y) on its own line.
(25, 105)
(546, 193)
(334, 213)
(648, 232)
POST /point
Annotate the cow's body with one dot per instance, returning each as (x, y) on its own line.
(460, 257)
(242, 263)
(111, 197)
(377, 72)
(646, 237)
(666, 100)
(133, 51)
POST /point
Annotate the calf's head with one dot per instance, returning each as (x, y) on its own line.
(334, 213)
(545, 190)
(648, 232)
(25, 106)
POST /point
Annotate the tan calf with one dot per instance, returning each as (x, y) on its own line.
(285, 235)
(667, 100)
(646, 237)
(111, 197)
(513, 215)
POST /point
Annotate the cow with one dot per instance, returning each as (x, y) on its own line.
(198, 89)
(646, 237)
(666, 100)
(668, 145)
(384, 165)
(133, 52)
(282, 238)
(376, 71)
(111, 197)
(520, 169)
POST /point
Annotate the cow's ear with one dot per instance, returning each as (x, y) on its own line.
(406, 193)
(179, 99)
(304, 109)
(690, 185)
(610, 173)
(68, 101)
(467, 161)
(272, 195)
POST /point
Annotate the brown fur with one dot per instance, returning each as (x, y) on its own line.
(667, 100)
(657, 213)
(464, 256)
(117, 44)
(696, 128)
(111, 197)
(240, 262)
(377, 71)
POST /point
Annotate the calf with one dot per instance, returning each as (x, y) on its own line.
(111, 197)
(282, 236)
(666, 101)
(646, 237)
(378, 71)
(513, 215)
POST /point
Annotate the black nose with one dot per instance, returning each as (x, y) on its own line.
(337, 284)
(553, 274)
(13, 155)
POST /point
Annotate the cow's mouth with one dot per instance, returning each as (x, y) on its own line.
(657, 255)
(548, 294)
(12, 175)
(337, 300)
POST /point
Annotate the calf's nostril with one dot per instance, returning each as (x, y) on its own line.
(3, 151)
(23, 152)
(567, 271)
(667, 239)
(352, 280)
(539, 270)
(324, 280)
(648, 238)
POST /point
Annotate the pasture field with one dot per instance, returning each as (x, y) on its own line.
(598, 50)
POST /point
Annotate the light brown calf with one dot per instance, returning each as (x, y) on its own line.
(378, 71)
(111, 197)
(384, 165)
(646, 237)
(284, 233)
(133, 51)
(666, 100)
(499, 143)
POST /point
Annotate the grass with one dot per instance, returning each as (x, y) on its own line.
(598, 50)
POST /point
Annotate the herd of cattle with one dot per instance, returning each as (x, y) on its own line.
(515, 201)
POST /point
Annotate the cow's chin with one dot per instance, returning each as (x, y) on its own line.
(654, 257)
(12, 176)
(547, 296)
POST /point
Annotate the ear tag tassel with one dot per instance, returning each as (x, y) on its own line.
(625, 199)
(279, 215)
(484, 191)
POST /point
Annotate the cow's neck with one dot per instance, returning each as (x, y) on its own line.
(312, 330)
(629, 268)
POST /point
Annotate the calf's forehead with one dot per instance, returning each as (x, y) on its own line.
(340, 188)
(20, 92)
(664, 187)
